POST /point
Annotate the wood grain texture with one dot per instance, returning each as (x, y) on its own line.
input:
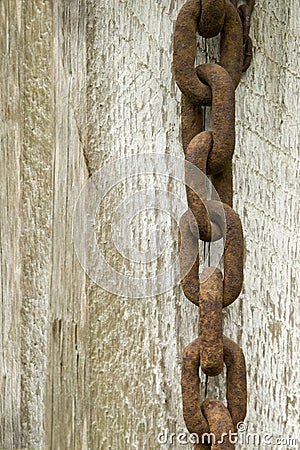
(26, 234)
(67, 397)
(84, 82)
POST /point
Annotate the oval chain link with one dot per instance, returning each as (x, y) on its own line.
(211, 152)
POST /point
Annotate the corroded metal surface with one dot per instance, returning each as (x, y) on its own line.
(189, 264)
(212, 18)
(197, 154)
(236, 383)
(210, 321)
(233, 249)
(191, 398)
(223, 106)
(231, 48)
(191, 120)
(185, 44)
(220, 424)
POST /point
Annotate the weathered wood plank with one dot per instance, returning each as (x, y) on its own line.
(10, 194)
(67, 404)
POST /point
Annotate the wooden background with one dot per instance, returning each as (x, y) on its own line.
(84, 82)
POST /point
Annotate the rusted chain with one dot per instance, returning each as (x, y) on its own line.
(185, 44)
(189, 264)
(211, 18)
(220, 424)
(231, 48)
(191, 398)
(236, 382)
(233, 249)
(191, 120)
(245, 11)
(236, 385)
(226, 220)
(212, 151)
(197, 154)
(223, 103)
(211, 218)
(210, 321)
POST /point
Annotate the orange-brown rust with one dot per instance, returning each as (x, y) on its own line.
(210, 321)
(236, 381)
(212, 17)
(231, 53)
(185, 52)
(231, 50)
(211, 152)
(194, 419)
(226, 220)
(191, 120)
(201, 446)
(236, 386)
(196, 189)
(233, 249)
(220, 424)
(222, 183)
(197, 154)
(223, 110)
(189, 260)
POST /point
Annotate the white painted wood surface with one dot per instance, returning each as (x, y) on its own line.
(84, 82)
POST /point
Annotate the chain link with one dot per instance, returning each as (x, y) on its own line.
(211, 152)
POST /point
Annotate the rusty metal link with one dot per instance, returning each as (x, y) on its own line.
(191, 120)
(233, 249)
(211, 218)
(197, 154)
(245, 10)
(185, 44)
(231, 48)
(223, 109)
(211, 18)
(220, 424)
(226, 220)
(191, 397)
(212, 151)
(236, 382)
(210, 321)
(189, 264)
(236, 387)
